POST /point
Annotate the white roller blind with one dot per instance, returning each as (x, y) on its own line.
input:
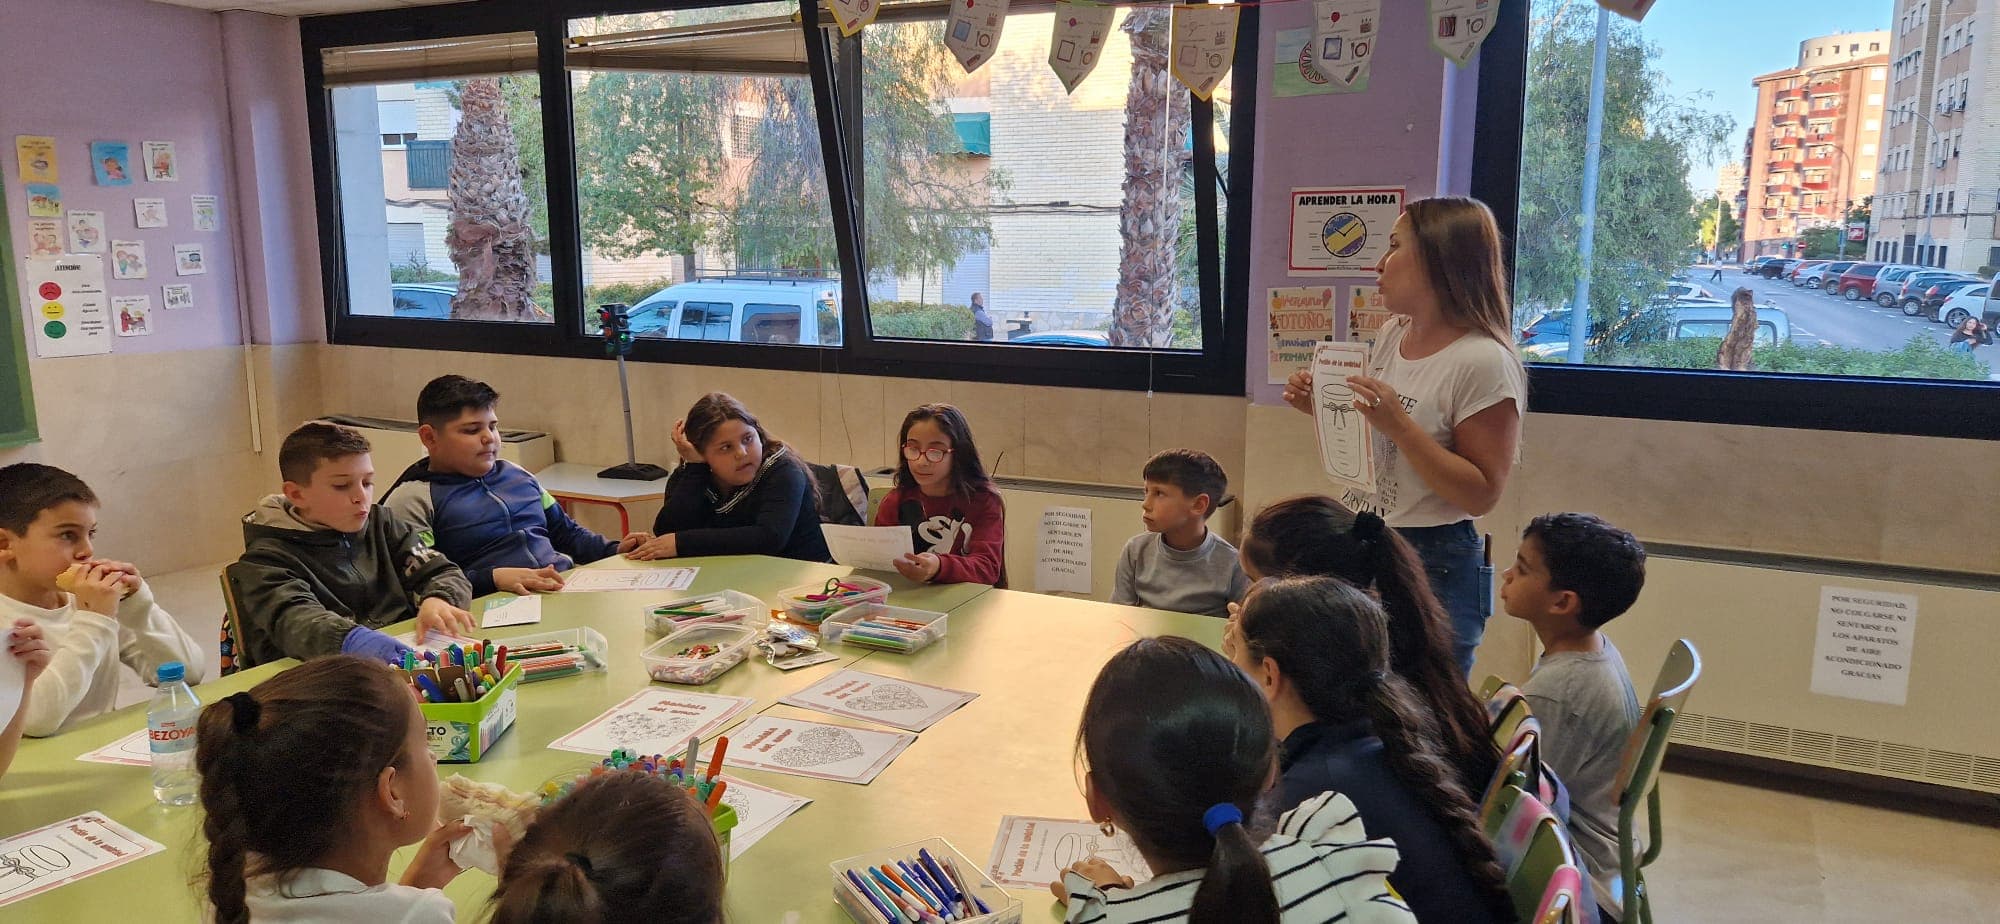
(770, 45)
(430, 59)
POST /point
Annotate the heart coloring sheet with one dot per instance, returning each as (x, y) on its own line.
(654, 722)
(826, 752)
(904, 704)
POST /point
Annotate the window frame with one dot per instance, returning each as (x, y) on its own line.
(1217, 368)
(1856, 404)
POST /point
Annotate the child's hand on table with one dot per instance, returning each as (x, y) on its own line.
(438, 614)
(525, 581)
(1098, 872)
(654, 549)
(920, 567)
(633, 541)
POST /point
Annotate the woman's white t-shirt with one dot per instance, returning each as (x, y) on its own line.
(1439, 391)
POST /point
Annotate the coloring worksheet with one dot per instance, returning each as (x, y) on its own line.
(828, 752)
(904, 704)
(1030, 853)
(133, 750)
(1346, 441)
(53, 855)
(592, 579)
(502, 612)
(654, 721)
(759, 809)
(870, 548)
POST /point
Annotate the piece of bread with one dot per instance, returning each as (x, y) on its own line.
(66, 581)
(489, 801)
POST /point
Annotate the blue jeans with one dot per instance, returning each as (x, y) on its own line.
(1454, 561)
(1962, 346)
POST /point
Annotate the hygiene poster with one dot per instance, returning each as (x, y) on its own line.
(1342, 231)
(71, 313)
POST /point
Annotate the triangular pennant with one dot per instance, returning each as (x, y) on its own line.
(1459, 26)
(1344, 36)
(1634, 10)
(1078, 40)
(972, 31)
(851, 15)
(1204, 45)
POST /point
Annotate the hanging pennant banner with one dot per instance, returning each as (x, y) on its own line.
(1459, 26)
(1078, 40)
(852, 14)
(972, 32)
(1344, 39)
(1204, 45)
(1634, 10)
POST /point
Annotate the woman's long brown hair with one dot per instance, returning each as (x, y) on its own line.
(1458, 243)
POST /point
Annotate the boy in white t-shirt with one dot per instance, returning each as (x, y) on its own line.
(95, 613)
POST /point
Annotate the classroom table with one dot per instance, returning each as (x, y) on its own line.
(573, 483)
(1030, 657)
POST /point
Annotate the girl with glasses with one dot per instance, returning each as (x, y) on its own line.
(956, 520)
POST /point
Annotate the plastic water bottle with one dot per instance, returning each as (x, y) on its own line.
(170, 721)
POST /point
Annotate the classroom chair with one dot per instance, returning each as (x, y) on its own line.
(1639, 777)
(1563, 902)
(232, 629)
(1492, 687)
(1538, 857)
(1508, 717)
(1512, 771)
(843, 493)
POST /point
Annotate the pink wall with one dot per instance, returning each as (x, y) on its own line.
(267, 109)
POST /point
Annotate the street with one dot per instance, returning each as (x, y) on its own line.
(1825, 320)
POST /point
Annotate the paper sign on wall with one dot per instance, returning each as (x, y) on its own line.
(1203, 45)
(134, 314)
(1344, 33)
(36, 155)
(1342, 231)
(1301, 317)
(1078, 40)
(72, 315)
(1634, 10)
(1062, 562)
(972, 31)
(1295, 69)
(45, 237)
(1864, 644)
(851, 15)
(1366, 313)
(1459, 26)
(1346, 441)
(86, 231)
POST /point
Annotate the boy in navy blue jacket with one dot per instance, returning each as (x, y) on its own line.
(489, 516)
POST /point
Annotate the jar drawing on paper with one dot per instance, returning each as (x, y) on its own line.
(1342, 433)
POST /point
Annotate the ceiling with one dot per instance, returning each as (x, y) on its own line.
(303, 7)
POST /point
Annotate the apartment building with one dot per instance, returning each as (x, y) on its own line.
(1814, 143)
(1940, 174)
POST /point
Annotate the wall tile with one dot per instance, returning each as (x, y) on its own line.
(1064, 441)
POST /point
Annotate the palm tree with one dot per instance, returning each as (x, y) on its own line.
(1149, 219)
(490, 239)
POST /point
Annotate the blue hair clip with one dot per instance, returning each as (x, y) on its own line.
(1219, 816)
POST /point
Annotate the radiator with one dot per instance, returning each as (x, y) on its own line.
(396, 445)
(1755, 619)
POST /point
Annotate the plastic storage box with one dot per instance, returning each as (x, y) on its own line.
(586, 652)
(1001, 907)
(462, 733)
(723, 606)
(879, 625)
(732, 644)
(811, 604)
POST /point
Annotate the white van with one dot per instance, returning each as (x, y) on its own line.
(802, 310)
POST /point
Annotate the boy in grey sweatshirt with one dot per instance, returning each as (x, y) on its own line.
(1178, 563)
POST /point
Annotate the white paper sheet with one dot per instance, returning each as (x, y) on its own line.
(1344, 37)
(72, 313)
(904, 704)
(654, 721)
(1063, 556)
(436, 640)
(1342, 231)
(589, 580)
(511, 611)
(759, 810)
(972, 31)
(1030, 853)
(1346, 441)
(1458, 27)
(852, 15)
(1203, 45)
(1077, 40)
(828, 752)
(58, 854)
(1864, 645)
(133, 750)
(870, 548)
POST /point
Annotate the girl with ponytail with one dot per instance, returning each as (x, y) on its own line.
(1319, 648)
(309, 782)
(625, 846)
(1176, 745)
(1315, 536)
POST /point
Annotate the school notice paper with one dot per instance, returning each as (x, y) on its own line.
(759, 809)
(1346, 441)
(133, 750)
(590, 580)
(511, 611)
(1030, 853)
(55, 855)
(904, 704)
(654, 722)
(814, 749)
(870, 548)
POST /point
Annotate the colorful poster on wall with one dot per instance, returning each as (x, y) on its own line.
(71, 313)
(45, 237)
(189, 260)
(134, 314)
(1459, 26)
(1864, 645)
(149, 213)
(1366, 313)
(852, 15)
(1344, 34)
(972, 31)
(161, 165)
(1203, 45)
(1301, 317)
(128, 259)
(111, 163)
(86, 231)
(1295, 71)
(1078, 40)
(1342, 231)
(206, 213)
(177, 296)
(37, 157)
(44, 200)
(1634, 10)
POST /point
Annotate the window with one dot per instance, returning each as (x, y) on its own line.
(1642, 354)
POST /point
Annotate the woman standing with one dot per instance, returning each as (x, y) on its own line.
(1444, 394)
(1734, 354)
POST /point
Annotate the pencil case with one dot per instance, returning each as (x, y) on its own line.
(462, 733)
(715, 649)
(811, 604)
(724, 606)
(568, 652)
(868, 906)
(879, 625)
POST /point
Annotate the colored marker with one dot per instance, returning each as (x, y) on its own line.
(958, 879)
(500, 661)
(715, 795)
(694, 744)
(897, 914)
(880, 910)
(923, 898)
(431, 690)
(930, 868)
(715, 759)
(916, 884)
(904, 901)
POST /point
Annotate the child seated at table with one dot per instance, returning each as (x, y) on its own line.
(1177, 747)
(957, 522)
(1178, 563)
(737, 491)
(624, 846)
(310, 781)
(25, 644)
(94, 613)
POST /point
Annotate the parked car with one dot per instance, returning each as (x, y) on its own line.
(1685, 289)
(742, 310)
(1858, 282)
(1936, 296)
(1757, 263)
(1077, 338)
(1977, 301)
(426, 300)
(1820, 275)
(1910, 295)
(1889, 282)
(1803, 266)
(1776, 269)
(1690, 321)
(1548, 336)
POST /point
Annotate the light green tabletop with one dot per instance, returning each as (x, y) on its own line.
(1030, 657)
